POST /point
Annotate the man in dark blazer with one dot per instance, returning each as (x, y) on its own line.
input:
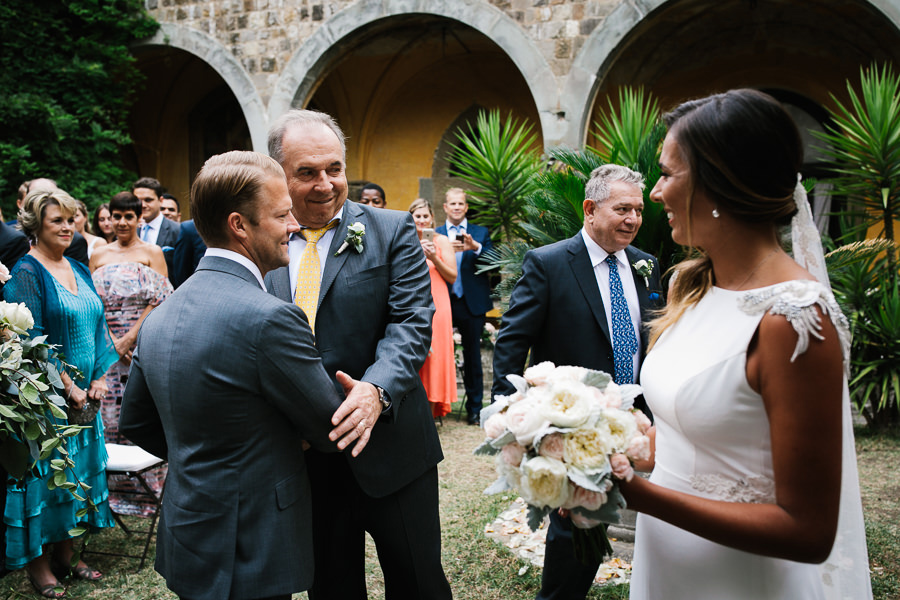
(189, 250)
(373, 321)
(470, 294)
(559, 312)
(228, 409)
(156, 229)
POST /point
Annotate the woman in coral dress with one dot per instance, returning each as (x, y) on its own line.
(438, 374)
(130, 277)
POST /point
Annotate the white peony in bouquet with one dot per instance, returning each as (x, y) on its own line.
(554, 437)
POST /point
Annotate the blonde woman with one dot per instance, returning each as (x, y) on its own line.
(438, 374)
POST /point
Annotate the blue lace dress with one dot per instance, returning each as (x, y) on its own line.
(34, 515)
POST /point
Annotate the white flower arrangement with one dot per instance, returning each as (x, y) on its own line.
(553, 439)
(644, 268)
(355, 234)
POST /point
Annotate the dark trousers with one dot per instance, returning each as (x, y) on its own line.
(405, 526)
(564, 577)
(470, 328)
(3, 569)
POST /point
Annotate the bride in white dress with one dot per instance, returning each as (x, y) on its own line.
(754, 492)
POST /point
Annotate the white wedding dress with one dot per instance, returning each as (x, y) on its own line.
(713, 441)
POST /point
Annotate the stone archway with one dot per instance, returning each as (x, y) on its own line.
(298, 81)
(684, 48)
(220, 59)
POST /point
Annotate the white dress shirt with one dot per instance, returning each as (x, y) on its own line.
(601, 272)
(153, 232)
(239, 259)
(297, 244)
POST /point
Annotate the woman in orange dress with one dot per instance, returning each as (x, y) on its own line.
(438, 374)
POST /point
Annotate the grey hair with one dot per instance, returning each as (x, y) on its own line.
(31, 215)
(301, 118)
(597, 187)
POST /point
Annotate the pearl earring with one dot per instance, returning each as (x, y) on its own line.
(715, 213)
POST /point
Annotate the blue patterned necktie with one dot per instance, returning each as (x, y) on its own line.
(457, 287)
(623, 339)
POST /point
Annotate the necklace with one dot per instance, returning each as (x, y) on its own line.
(756, 268)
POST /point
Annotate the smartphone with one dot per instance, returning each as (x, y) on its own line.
(428, 234)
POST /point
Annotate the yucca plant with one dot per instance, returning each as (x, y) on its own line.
(872, 305)
(863, 144)
(498, 160)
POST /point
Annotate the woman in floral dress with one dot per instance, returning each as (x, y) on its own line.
(130, 276)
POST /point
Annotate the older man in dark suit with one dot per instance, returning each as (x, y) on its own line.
(230, 406)
(570, 298)
(360, 276)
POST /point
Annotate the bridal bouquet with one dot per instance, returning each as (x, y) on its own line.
(553, 439)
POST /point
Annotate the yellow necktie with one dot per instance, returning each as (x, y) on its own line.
(309, 278)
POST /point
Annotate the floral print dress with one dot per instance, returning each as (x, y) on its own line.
(126, 290)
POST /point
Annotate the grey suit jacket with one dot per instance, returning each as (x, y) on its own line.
(557, 313)
(374, 323)
(225, 382)
(168, 233)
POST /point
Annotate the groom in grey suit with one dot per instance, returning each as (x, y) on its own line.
(372, 318)
(225, 383)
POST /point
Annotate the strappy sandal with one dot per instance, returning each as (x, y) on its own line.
(87, 573)
(51, 590)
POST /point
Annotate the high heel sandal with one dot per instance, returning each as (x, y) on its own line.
(62, 570)
(49, 590)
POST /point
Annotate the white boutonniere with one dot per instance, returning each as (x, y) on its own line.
(644, 268)
(355, 234)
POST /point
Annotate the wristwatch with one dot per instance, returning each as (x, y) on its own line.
(383, 398)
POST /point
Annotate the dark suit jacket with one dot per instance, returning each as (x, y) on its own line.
(374, 323)
(78, 249)
(476, 288)
(557, 312)
(168, 233)
(189, 249)
(228, 408)
(13, 246)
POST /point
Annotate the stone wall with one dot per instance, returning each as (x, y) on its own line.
(264, 34)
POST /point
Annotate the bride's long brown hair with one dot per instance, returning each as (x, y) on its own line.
(742, 149)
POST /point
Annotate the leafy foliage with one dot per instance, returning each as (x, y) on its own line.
(630, 135)
(499, 161)
(863, 144)
(67, 81)
(872, 305)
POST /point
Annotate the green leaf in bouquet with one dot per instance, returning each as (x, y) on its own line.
(29, 392)
(500, 485)
(8, 413)
(536, 516)
(56, 411)
(81, 512)
(486, 448)
(590, 479)
(77, 531)
(53, 376)
(57, 464)
(629, 392)
(597, 379)
(59, 478)
(508, 437)
(49, 444)
(32, 430)
(73, 430)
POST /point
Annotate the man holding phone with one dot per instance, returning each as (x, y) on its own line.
(470, 294)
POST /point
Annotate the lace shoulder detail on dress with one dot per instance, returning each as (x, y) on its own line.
(797, 301)
(751, 490)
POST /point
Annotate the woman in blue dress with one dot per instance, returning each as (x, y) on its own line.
(66, 308)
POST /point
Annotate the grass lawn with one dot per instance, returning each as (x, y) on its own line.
(481, 569)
